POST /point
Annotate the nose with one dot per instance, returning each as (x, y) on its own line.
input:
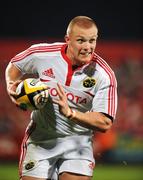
(86, 46)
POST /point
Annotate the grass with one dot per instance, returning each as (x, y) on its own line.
(9, 172)
(118, 172)
(102, 172)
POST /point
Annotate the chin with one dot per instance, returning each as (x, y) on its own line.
(86, 60)
(81, 62)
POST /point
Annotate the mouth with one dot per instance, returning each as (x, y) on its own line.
(85, 53)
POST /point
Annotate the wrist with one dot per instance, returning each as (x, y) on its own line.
(71, 113)
(9, 84)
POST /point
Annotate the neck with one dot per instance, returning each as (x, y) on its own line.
(70, 56)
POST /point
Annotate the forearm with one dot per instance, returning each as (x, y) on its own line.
(12, 74)
(12, 78)
(93, 120)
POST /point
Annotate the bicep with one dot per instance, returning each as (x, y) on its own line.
(12, 73)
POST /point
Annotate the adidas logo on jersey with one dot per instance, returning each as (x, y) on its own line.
(49, 72)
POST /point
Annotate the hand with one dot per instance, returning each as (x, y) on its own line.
(11, 89)
(62, 101)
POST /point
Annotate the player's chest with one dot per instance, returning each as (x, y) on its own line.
(63, 74)
(79, 87)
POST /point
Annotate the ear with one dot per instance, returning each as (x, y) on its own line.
(66, 38)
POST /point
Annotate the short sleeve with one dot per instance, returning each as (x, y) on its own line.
(25, 61)
(105, 99)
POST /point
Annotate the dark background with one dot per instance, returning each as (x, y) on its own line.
(116, 20)
(120, 25)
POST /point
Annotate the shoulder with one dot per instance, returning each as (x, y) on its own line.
(38, 49)
(104, 69)
(102, 65)
(43, 47)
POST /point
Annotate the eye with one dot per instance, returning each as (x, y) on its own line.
(80, 41)
(92, 40)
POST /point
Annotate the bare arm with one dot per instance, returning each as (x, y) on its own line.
(91, 120)
(13, 78)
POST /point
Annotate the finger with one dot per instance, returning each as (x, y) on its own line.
(13, 87)
(55, 101)
(60, 103)
(12, 93)
(60, 94)
(46, 93)
(17, 82)
(61, 89)
(44, 97)
(46, 88)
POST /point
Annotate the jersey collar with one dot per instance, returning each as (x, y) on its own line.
(63, 52)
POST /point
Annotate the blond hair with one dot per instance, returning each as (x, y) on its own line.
(82, 21)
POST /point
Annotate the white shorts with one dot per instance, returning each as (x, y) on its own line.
(70, 154)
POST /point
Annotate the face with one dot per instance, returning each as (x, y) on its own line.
(81, 44)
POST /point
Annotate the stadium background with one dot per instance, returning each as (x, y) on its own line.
(120, 43)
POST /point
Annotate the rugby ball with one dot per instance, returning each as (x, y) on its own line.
(32, 94)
